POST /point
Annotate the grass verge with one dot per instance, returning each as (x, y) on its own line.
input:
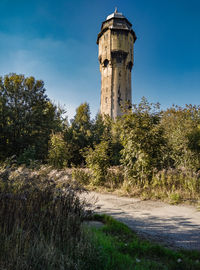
(121, 249)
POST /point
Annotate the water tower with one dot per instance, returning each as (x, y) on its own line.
(116, 41)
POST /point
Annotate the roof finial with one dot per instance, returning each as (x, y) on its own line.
(115, 9)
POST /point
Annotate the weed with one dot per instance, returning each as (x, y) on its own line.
(175, 198)
(81, 176)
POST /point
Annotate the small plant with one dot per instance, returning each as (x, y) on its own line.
(81, 175)
(175, 198)
(115, 177)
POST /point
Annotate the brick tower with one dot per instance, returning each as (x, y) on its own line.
(116, 41)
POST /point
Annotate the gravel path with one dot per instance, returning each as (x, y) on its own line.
(174, 226)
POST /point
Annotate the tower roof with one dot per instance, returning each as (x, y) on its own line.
(115, 14)
(116, 22)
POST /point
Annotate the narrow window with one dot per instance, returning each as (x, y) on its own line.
(129, 66)
(105, 63)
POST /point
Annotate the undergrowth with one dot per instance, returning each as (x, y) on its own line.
(172, 185)
(40, 222)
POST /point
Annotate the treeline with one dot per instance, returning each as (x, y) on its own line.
(148, 142)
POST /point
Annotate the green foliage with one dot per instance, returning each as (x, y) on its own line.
(175, 198)
(98, 129)
(143, 143)
(111, 134)
(28, 156)
(159, 152)
(181, 129)
(81, 176)
(114, 178)
(27, 117)
(182, 182)
(79, 134)
(58, 155)
(98, 161)
(111, 257)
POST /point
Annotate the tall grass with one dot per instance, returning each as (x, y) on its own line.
(172, 185)
(40, 222)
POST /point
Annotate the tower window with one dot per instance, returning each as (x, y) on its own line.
(129, 66)
(119, 59)
(106, 100)
(106, 62)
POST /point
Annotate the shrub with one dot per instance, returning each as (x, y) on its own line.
(81, 176)
(58, 151)
(98, 161)
(27, 157)
(115, 177)
(144, 145)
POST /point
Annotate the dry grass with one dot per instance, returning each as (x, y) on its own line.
(40, 220)
(172, 185)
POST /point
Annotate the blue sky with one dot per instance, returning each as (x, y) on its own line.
(56, 41)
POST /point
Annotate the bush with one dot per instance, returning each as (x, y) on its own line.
(27, 157)
(81, 176)
(144, 145)
(58, 155)
(98, 161)
(115, 177)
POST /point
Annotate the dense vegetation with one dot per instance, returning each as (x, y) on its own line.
(158, 151)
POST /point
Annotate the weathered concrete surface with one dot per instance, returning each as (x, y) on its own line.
(174, 226)
(116, 43)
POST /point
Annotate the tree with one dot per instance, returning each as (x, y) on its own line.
(98, 160)
(79, 134)
(98, 129)
(58, 155)
(182, 131)
(144, 146)
(27, 116)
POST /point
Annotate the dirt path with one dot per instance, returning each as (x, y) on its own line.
(174, 226)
